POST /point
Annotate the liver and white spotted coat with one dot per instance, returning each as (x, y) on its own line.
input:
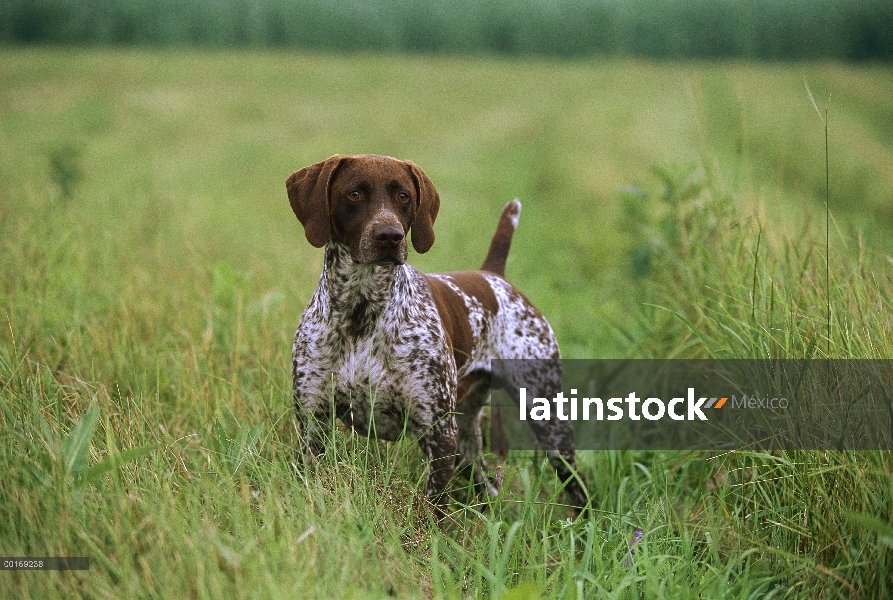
(391, 351)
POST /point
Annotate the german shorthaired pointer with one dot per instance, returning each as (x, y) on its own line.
(390, 351)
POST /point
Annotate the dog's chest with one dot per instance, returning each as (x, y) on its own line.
(364, 364)
(373, 358)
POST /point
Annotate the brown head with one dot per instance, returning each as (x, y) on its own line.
(368, 203)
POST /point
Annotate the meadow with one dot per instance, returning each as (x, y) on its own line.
(152, 274)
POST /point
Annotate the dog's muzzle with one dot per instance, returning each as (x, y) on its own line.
(390, 244)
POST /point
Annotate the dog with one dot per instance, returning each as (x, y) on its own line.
(391, 351)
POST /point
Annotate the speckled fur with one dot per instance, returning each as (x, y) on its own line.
(355, 358)
(517, 330)
(373, 350)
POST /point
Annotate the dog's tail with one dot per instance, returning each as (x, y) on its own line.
(502, 239)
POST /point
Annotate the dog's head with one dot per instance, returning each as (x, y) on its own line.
(366, 202)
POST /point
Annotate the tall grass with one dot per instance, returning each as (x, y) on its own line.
(210, 505)
(145, 419)
(726, 280)
(709, 29)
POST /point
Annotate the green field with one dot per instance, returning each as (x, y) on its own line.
(151, 268)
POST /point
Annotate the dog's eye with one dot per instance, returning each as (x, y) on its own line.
(354, 195)
(403, 197)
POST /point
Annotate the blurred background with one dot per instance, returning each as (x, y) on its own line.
(704, 29)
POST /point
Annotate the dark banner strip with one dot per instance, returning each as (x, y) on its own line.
(695, 404)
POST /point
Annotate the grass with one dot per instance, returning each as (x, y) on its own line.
(153, 274)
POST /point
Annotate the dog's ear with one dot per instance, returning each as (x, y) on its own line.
(308, 194)
(429, 203)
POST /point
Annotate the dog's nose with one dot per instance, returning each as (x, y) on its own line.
(388, 236)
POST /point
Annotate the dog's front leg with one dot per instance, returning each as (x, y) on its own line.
(314, 422)
(439, 448)
(440, 454)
